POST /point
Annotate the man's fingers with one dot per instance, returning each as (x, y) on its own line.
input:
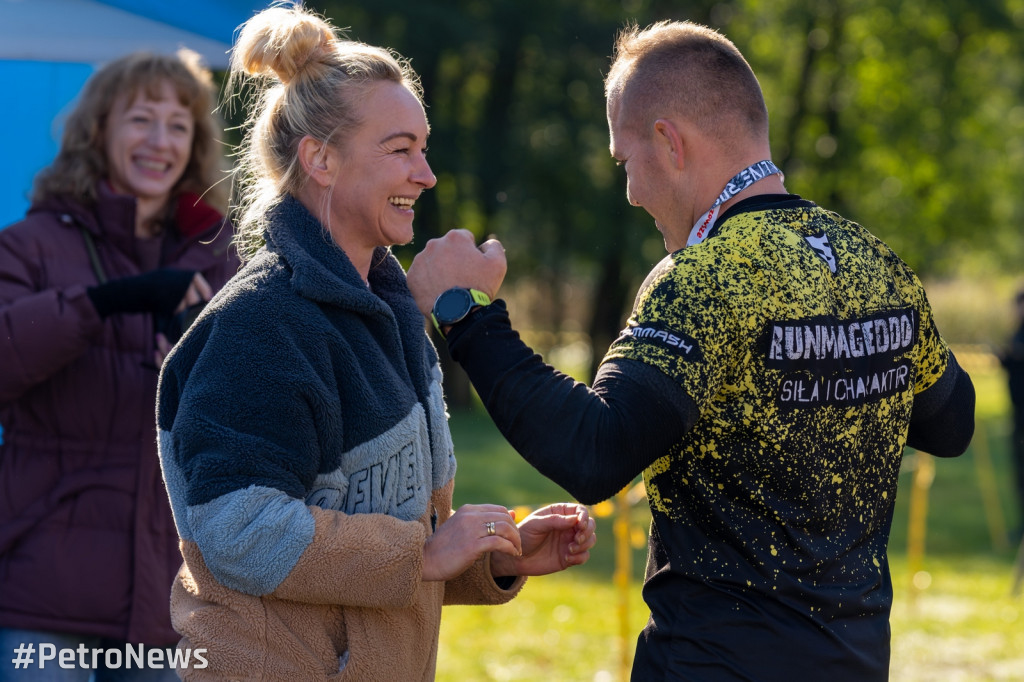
(492, 247)
(459, 235)
(577, 559)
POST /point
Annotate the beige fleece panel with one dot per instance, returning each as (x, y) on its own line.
(264, 638)
(240, 631)
(277, 638)
(370, 560)
(477, 586)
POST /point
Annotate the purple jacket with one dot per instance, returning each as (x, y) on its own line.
(87, 543)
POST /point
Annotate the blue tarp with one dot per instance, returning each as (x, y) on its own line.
(213, 19)
(44, 63)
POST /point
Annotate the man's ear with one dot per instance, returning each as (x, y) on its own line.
(318, 160)
(669, 140)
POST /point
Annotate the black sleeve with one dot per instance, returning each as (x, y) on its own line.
(942, 420)
(590, 441)
(157, 291)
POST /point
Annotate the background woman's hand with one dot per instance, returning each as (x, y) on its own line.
(464, 538)
(554, 538)
(198, 291)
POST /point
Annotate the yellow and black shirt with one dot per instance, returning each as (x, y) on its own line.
(766, 384)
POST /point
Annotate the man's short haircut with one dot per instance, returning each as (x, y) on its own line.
(683, 68)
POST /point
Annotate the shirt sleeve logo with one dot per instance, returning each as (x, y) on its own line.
(669, 339)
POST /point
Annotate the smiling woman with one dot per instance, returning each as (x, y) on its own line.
(303, 430)
(363, 190)
(94, 283)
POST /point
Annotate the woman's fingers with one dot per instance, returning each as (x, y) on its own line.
(199, 290)
(471, 532)
(494, 521)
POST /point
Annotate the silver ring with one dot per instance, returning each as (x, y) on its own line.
(490, 527)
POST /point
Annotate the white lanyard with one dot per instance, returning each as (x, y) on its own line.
(742, 180)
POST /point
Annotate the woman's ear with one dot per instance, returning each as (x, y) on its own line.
(318, 160)
(669, 140)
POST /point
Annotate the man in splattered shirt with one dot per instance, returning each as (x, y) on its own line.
(773, 368)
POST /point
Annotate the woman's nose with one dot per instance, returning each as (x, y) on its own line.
(425, 176)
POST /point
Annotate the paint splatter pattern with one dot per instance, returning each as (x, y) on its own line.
(802, 339)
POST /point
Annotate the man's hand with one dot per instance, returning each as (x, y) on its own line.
(455, 261)
(554, 538)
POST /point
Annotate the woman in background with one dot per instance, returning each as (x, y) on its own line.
(95, 284)
(303, 431)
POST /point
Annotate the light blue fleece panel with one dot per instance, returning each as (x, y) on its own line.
(175, 482)
(440, 436)
(389, 474)
(252, 538)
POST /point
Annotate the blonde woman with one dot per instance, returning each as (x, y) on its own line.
(302, 425)
(94, 285)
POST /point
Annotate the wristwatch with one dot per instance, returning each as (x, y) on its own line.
(454, 304)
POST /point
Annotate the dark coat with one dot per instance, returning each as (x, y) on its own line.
(87, 542)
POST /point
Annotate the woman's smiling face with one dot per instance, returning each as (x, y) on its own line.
(148, 144)
(382, 170)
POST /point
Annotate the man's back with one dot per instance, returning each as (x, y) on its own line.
(809, 339)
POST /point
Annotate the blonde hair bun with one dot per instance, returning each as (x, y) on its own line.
(281, 42)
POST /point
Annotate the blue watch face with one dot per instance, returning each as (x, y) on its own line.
(452, 306)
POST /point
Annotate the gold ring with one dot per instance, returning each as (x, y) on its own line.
(490, 527)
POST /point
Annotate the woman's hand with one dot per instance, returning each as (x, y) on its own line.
(554, 538)
(465, 537)
(163, 347)
(198, 291)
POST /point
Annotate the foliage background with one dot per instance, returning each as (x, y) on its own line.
(906, 117)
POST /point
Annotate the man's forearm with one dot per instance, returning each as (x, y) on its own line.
(590, 441)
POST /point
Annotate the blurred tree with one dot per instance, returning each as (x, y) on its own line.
(520, 147)
(906, 117)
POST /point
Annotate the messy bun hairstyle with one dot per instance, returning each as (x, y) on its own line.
(308, 80)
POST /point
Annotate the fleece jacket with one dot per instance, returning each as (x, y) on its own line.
(305, 447)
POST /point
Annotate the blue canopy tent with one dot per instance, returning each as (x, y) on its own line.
(49, 48)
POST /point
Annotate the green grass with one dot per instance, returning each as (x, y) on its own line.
(952, 620)
(965, 626)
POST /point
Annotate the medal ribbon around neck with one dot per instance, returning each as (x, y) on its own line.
(742, 180)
